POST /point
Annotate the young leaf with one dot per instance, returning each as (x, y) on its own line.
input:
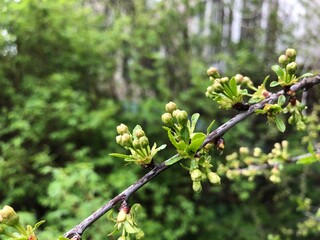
(274, 83)
(305, 75)
(194, 120)
(185, 135)
(279, 71)
(196, 141)
(210, 127)
(280, 124)
(233, 86)
(281, 100)
(119, 155)
(173, 160)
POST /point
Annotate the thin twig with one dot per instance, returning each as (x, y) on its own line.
(76, 232)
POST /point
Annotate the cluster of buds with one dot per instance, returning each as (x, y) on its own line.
(227, 92)
(286, 72)
(295, 108)
(279, 153)
(251, 163)
(200, 170)
(138, 144)
(10, 219)
(126, 221)
(174, 116)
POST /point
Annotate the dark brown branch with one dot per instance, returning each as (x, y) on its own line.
(76, 232)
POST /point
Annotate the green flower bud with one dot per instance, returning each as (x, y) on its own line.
(257, 152)
(291, 54)
(170, 107)
(244, 150)
(8, 216)
(285, 144)
(139, 133)
(126, 140)
(122, 237)
(283, 60)
(291, 68)
(275, 178)
(196, 186)
(224, 80)
(210, 89)
(136, 144)
(213, 178)
(217, 86)
(238, 78)
(213, 72)
(196, 175)
(291, 120)
(167, 119)
(247, 80)
(181, 116)
(144, 142)
(301, 126)
(121, 129)
(119, 139)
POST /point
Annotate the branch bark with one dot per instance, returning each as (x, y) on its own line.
(76, 232)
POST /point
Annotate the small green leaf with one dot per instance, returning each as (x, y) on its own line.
(194, 120)
(274, 83)
(38, 224)
(281, 100)
(279, 71)
(307, 160)
(210, 127)
(119, 155)
(280, 124)
(196, 141)
(305, 75)
(185, 135)
(163, 146)
(173, 160)
(233, 86)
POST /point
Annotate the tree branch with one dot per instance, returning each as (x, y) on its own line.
(76, 232)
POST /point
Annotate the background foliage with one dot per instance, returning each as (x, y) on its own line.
(71, 70)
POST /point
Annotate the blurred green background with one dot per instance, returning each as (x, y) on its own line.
(72, 70)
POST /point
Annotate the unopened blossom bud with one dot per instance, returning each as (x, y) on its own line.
(283, 60)
(291, 120)
(167, 119)
(122, 237)
(181, 116)
(8, 216)
(238, 78)
(257, 152)
(224, 80)
(196, 174)
(213, 72)
(139, 133)
(196, 186)
(217, 86)
(213, 178)
(247, 80)
(291, 54)
(126, 140)
(122, 128)
(301, 126)
(291, 68)
(285, 144)
(244, 150)
(136, 144)
(170, 107)
(118, 139)
(144, 142)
